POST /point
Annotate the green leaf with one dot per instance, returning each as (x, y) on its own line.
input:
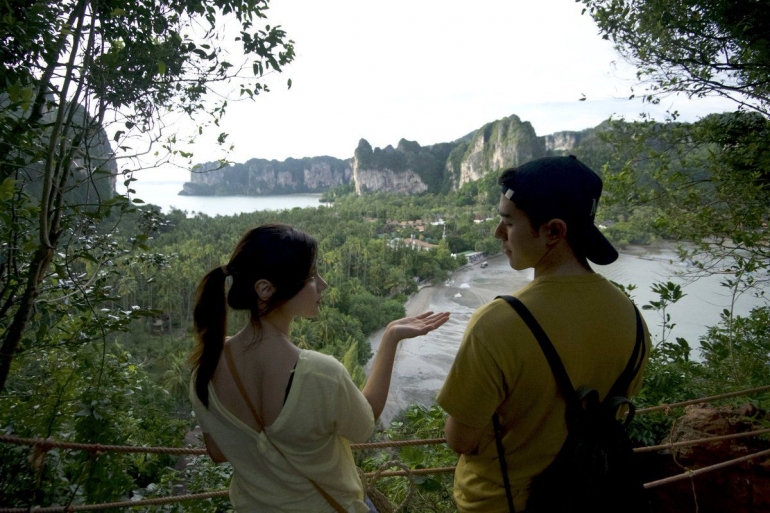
(161, 68)
(7, 188)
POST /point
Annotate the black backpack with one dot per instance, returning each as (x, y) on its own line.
(596, 469)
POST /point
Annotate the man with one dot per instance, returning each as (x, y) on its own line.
(547, 210)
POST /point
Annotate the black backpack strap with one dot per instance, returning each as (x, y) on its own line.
(501, 457)
(620, 388)
(557, 367)
(617, 395)
(618, 391)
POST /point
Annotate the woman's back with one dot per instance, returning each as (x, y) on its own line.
(265, 368)
(323, 411)
(277, 439)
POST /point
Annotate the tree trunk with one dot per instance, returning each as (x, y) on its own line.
(37, 268)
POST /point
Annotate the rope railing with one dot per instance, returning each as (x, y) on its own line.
(396, 443)
(414, 471)
(739, 393)
(158, 501)
(684, 443)
(41, 446)
(46, 444)
(224, 493)
(650, 448)
(692, 473)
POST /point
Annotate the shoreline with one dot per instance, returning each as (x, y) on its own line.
(421, 364)
(415, 305)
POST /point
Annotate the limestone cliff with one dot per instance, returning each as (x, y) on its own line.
(259, 176)
(495, 146)
(566, 141)
(408, 168)
(93, 169)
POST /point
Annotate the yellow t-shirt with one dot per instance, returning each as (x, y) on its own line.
(500, 366)
(323, 412)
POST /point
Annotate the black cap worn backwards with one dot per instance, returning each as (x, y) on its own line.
(562, 188)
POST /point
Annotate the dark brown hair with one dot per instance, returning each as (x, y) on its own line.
(277, 253)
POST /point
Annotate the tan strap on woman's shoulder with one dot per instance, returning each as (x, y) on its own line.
(241, 388)
(237, 378)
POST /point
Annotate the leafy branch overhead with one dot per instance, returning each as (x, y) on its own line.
(74, 69)
(705, 182)
(697, 47)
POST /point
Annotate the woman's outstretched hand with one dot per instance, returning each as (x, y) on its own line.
(409, 327)
(378, 384)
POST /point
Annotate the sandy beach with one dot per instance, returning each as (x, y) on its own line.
(422, 364)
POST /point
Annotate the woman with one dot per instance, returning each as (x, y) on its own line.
(283, 417)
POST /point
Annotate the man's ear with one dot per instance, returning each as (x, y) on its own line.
(264, 289)
(554, 230)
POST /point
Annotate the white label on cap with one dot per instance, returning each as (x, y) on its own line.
(509, 193)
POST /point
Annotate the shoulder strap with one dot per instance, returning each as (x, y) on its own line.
(620, 388)
(241, 388)
(503, 465)
(621, 385)
(557, 367)
(237, 378)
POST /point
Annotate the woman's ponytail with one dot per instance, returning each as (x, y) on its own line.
(210, 316)
(277, 253)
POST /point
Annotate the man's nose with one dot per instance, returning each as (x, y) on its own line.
(499, 231)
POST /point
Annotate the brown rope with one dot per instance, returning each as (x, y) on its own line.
(692, 473)
(48, 444)
(703, 399)
(44, 445)
(224, 493)
(122, 504)
(396, 443)
(414, 471)
(671, 445)
(649, 448)
(372, 478)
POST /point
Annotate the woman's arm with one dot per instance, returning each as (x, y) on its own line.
(378, 384)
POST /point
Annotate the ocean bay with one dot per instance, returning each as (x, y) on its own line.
(165, 194)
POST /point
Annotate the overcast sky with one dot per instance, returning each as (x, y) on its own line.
(431, 71)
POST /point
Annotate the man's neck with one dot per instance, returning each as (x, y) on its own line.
(561, 261)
